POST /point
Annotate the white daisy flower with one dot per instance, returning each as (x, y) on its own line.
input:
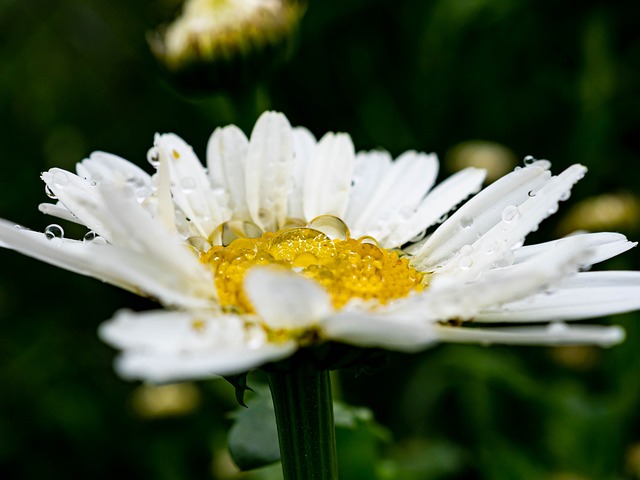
(284, 242)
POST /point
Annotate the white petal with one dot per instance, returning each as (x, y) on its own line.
(103, 167)
(603, 245)
(164, 346)
(327, 180)
(187, 286)
(370, 168)
(58, 210)
(226, 159)
(286, 300)
(517, 222)
(384, 331)
(484, 210)
(304, 143)
(554, 334)
(586, 295)
(191, 187)
(269, 171)
(436, 204)
(398, 194)
(448, 298)
(80, 198)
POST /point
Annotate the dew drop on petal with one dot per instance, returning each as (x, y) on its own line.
(532, 193)
(553, 209)
(505, 261)
(60, 179)
(53, 231)
(331, 226)
(510, 213)
(153, 157)
(489, 247)
(557, 328)
(465, 262)
(466, 250)
(49, 193)
(565, 196)
(529, 160)
(188, 184)
(443, 218)
(466, 222)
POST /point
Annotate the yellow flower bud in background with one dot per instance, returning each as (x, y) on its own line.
(227, 42)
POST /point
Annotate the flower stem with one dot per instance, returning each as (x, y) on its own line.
(304, 414)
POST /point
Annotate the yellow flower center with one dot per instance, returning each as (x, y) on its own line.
(347, 268)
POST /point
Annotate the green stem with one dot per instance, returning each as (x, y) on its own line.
(304, 414)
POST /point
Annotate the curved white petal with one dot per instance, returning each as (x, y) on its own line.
(384, 331)
(449, 298)
(190, 186)
(327, 179)
(166, 346)
(496, 246)
(80, 198)
(370, 168)
(440, 201)
(284, 299)
(554, 334)
(269, 171)
(133, 271)
(58, 210)
(479, 215)
(397, 194)
(586, 295)
(304, 143)
(603, 245)
(226, 160)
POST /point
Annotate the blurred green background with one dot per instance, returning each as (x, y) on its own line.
(557, 80)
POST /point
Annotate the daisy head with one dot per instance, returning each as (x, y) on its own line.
(282, 242)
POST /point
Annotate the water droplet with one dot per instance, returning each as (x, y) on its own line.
(93, 238)
(505, 261)
(510, 213)
(565, 196)
(517, 168)
(465, 262)
(153, 157)
(199, 243)
(369, 240)
(443, 218)
(53, 231)
(489, 247)
(532, 193)
(60, 179)
(331, 226)
(49, 193)
(188, 184)
(557, 328)
(418, 237)
(529, 160)
(466, 250)
(466, 222)
(553, 209)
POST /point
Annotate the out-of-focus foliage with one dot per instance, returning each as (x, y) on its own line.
(555, 80)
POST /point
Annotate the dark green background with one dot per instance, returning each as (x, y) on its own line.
(558, 80)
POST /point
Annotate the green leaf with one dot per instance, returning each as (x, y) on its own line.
(253, 438)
